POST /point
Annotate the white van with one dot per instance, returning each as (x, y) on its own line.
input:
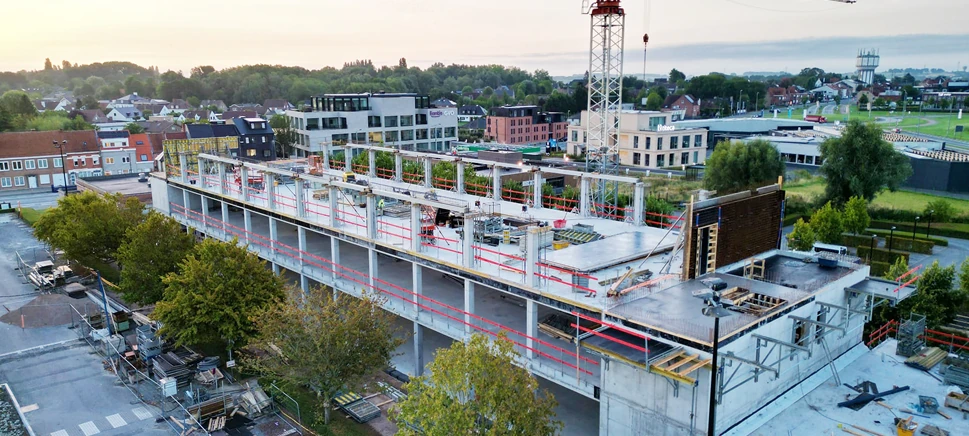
(830, 248)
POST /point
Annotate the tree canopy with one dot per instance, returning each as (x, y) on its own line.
(89, 227)
(856, 218)
(214, 293)
(326, 343)
(827, 224)
(475, 388)
(151, 250)
(802, 237)
(735, 166)
(861, 163)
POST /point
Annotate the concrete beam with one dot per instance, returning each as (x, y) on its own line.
(638, 203)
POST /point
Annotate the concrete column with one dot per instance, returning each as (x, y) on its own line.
(273, 235)
(244, 182)
(428, 177)
(372, 270)
(468, 308)
(269, 180)
(334, 198)
(532, 238)
(301, 244)
(275, 268)
(225, 220)
(247, 223)
(496, 182)
(372, 161)
(460, 183)
(222, 180)
(398, 167)
(304, 283)
(537, 190)
(348, 157)
(638, 203)
(417, 284)
(182, 166)
(415, 227)
(467, 252)
(205, 214)
(371, 216)
(335, 258)
(326, 156)
(584, 196)
(531, 319)
(188, 204)
(418, 350)
(300, 198)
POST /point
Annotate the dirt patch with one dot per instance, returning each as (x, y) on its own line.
(383, 424)
(48, 310)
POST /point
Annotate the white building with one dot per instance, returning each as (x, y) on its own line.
(647, 139)
(404, 120)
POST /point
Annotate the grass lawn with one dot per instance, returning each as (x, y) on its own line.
(812, 189)
(30, 215)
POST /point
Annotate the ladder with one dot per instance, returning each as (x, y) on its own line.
(827, 355)
(711, 259)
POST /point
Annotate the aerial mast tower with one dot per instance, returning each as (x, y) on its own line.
(605, 98)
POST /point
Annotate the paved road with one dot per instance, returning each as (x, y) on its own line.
(36, 200)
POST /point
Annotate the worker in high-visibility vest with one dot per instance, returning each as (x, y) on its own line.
(380, 205)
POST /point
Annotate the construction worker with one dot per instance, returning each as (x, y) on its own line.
(380, 205)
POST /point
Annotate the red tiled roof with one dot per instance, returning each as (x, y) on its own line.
(25, 144)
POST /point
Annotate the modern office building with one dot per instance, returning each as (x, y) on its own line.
(404, 121)
(648, 139)
(520, 125)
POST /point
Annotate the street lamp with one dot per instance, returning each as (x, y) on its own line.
(928, 226)
(61, 146)
(890, 239)
(915, 226)
(713, 308)
(871, 248)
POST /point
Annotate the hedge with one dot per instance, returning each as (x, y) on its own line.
(879, 269)
(906, 244)
(850, 240)
(900, 215)
(939, 242)
(882, 255)
(789, 220)
(940, 230)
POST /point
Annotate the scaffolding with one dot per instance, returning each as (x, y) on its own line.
(911, 336)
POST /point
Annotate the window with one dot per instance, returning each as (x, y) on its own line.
(143, 157)
(4, 166)
(636, 158)
(659, 143)
(672, 159)
(392, 136)
(648, 142)
(697, 140)
(19, 181)
(266, 153)
(406, 135)
(575, 136)
(686, 141)
(94, 160)
(674, 142)
(406, 120)
(373, 121)
(251, 152)
(685, 158)
(41, 163)
(359, 137)
(18, 165)
(125, 159)
(655, 122)
(695, 157)
(450, 132)
(437, 133)
(57, 163)
(107, 161)
(421, 134)
(646, 161)
(636, 145)
(29, 164)
(660, 161)
(390, 121)
(421, 119)
(5, 182)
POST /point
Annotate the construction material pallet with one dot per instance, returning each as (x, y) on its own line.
(927, 358)
(362, 411)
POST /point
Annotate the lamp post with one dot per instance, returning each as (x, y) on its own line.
(928, 226)
(890, 239)
(713, 308)
(871, 248)
(61, 146)
(951, 101)
(915, 227)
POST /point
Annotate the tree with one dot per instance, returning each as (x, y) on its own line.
(837, 99)
(661, 91)
(18, 103)
(151, 250)
(48, 66)
(856, 218)
(134, 128)
(89, 227)
(654, 102)
(898, 269)
(942, 211)
(214, 293)
(6, 119)
(285, 134)
(827, 224)
(964, 276)
(861, 163)
(475, 388)
(676, 76)
(735, 166)
(325, 343)
(802, 238)
(935, 296)
(862, 100)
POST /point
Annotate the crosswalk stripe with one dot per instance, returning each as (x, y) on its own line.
(89, 428)
(116, 420)
(141, 413)
(60, 433)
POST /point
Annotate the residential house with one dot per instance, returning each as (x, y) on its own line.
(443, 102)
(210, 130)
(247, 106)
(117, 153)
(218, 105)
(196, 116)
(504, 91)
(470, 113)
(62, 104)
(934, 83)
(229, 115)
(91, 116)
(125, 113)
(525, 125)
(159, 126)
(685, 104)
(256, 138)
(275, 106)
(144, 154)
(825, 92)
(130, 99)
(780, 96)
(29, 160)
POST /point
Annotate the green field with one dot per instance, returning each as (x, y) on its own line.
(30, 215)
(911, 122)
(812, 189)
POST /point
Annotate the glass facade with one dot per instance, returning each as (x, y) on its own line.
(406, 120)
(390, 121)
(341, 103)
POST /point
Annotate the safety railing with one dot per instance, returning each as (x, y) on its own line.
(442, 183)
(385, 173)
(413, 178)
(560, 203)
(476, 189)
(515, 196)
(608, 211)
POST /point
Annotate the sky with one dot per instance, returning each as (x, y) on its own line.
(695, 36)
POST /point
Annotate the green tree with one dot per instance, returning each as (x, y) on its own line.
(89, 227)
(942, 211)
(285, 135)
(856, 218)
(151, 250)
(475, 388)
(134, 128)
(935, 296)
(735, 166)
(6, 119)
(899, 268)
(18, 103)
(676, 76)
(214, 294)
(325, 343)
(861, 163)
(661, 91)
(802, 238)
(964, 276)
(827, 224)
(654, 102)
(863, 100)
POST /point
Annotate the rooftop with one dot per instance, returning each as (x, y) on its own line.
(125, 184)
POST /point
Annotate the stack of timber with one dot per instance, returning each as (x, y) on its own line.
(927, 358)
(210, 408)
(175, 364)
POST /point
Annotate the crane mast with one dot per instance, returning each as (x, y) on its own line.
(605, 99)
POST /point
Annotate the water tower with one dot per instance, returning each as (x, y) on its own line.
(867, 62)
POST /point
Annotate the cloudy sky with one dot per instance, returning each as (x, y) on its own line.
(696, 36)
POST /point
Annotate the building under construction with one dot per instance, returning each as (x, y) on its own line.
(611, 303)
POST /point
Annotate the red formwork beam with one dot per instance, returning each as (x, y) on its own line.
(601, 335)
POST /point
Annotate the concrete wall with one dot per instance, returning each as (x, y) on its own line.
(636, 402)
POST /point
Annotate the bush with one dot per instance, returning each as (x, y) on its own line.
(879, 269)
(942, 210)
(827, 224)
(789, 220)
(850, 240)
(941, 230)
(906, 244)
(882, 255)
(802, 238)
(939, 242)
(798, 206)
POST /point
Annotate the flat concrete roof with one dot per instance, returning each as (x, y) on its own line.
(745, 125)
(127, 185)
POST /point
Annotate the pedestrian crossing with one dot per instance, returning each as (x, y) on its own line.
(114, 421)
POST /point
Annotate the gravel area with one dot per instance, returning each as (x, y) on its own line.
(48, 310)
